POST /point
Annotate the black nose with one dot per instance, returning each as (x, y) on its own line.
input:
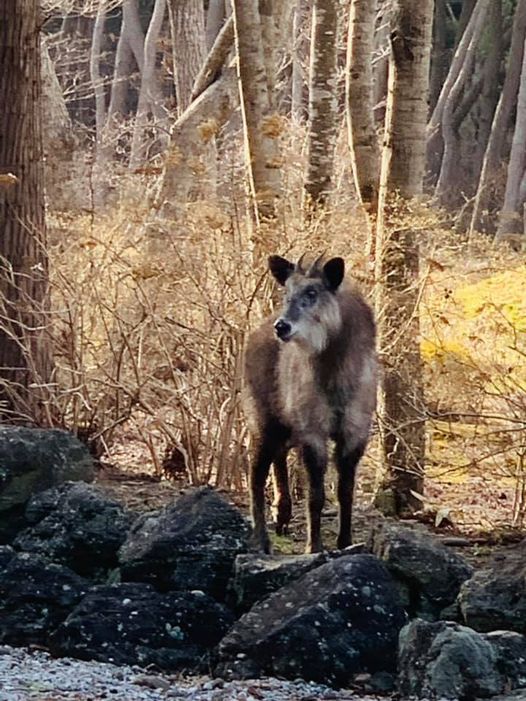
(283, 329)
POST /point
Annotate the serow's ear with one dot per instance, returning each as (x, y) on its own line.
(333, 272)
(280, 268)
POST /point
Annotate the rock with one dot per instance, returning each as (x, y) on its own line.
(335, 621)
(31, 460)
(511, 656)
(76, 525)
(256, 576)
(495, 598)
(6, 555)
(35, 597)
(191, 544)
(444, 660)
(429, 574)
(133, 624)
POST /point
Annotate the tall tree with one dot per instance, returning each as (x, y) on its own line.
(187, 21)
(261, 144)
(363, 139)
(505, 107)
(25, 357)
(401, 408)
(322, 130)
(446, 188)
(149, 98)
(511, 219)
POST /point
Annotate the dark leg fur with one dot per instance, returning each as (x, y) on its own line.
(315, 463)
(282, 507)
(271, 442)
(346, 462)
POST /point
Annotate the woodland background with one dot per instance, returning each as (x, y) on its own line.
(154, 152)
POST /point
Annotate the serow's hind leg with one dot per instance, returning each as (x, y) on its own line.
(347, 461)
(282, 506)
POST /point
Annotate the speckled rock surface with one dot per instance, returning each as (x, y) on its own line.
(256, 576)
(191, 544)
(35, 597)
(339, 619)
(448, 661)
(429, 575)
(495, 598)
(32, 460)
(76, 525)
(131, 623)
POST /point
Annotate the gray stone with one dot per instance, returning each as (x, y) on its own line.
(444, 660)
(256, 576)
(429, 575)
(333, 622)
(76, 525)
(191, 544)
(35, 597)
(495, 598)
(32, 460)
(131, 623)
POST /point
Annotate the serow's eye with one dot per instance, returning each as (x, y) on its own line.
(311, 295)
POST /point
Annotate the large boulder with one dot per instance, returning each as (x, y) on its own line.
(256, 576)
(31, 460)
(35, 597)
(133, 624)
(429, 575)
(445, 660)
(191, 544)
(495, 598)
(76, 525)
(335, 621)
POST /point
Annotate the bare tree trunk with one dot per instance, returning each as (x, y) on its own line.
(505, 107)
(187, 21)
(58, 143)
(215, 18)
(511, 219)
(445, 189)
(439, 54)
(99, 179)
(465, 15)
(459, 71)
(363, 139)
(269, 34)
(381, 59)
(133, 30)
(262, 147)
(216, 58)
(96, 78)
(490, 85)
(322, 100)
(121, 75)
(298, 102)
(401, 412)
(148, 96)
(25, 355)
(188, 167)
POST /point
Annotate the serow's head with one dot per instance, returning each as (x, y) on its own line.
(310, 315)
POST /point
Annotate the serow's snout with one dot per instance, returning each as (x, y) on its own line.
(283, 329)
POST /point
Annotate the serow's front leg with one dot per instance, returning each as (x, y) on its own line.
(315, 460)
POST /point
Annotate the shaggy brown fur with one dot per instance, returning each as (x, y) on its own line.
(310, 377)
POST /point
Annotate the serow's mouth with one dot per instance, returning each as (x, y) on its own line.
(283, 330)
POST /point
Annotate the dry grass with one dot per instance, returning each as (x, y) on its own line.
(150, 318)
